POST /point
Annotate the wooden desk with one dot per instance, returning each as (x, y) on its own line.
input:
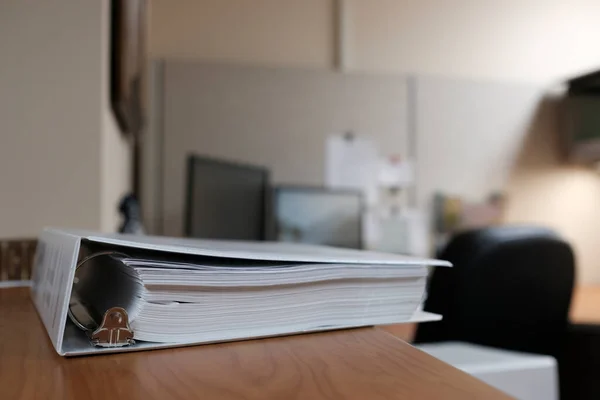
(405, 332)
(362, 363)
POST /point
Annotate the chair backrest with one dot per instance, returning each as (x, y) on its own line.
(510, 288)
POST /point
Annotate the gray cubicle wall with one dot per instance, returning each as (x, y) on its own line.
(469, 134)
(276, 117)
(466, 135)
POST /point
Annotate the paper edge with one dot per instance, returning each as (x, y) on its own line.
(418, 317)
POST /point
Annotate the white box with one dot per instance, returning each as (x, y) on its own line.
(522, 375)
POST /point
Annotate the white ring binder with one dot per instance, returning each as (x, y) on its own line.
(171, 292)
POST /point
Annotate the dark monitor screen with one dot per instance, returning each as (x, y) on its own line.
(318, 216)
(225, 200)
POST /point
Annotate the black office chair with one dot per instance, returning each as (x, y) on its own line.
(510, 288)
(580, 369)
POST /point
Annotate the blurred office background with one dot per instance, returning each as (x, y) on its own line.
(470, 94)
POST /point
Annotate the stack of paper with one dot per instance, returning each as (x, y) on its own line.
(207, 303)
(207, 299)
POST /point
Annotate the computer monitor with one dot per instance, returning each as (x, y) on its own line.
(318, 216)
(225, 200)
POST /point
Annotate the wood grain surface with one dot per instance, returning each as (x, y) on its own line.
(405, 332)
(365, 363)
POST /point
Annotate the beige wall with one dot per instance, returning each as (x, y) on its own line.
(523, 40)
(565, 199)
(275, 32)
(49, 115)
(546, 190)
(54, 137)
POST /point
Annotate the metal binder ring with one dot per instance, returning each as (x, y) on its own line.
(82, 312)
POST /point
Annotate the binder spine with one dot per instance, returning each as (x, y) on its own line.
(53, 272)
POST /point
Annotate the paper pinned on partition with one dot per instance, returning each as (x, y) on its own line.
(395, 172)
(352, 163)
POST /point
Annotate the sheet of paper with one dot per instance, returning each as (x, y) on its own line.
(265, 251)
(394, 172)
(352, 163)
